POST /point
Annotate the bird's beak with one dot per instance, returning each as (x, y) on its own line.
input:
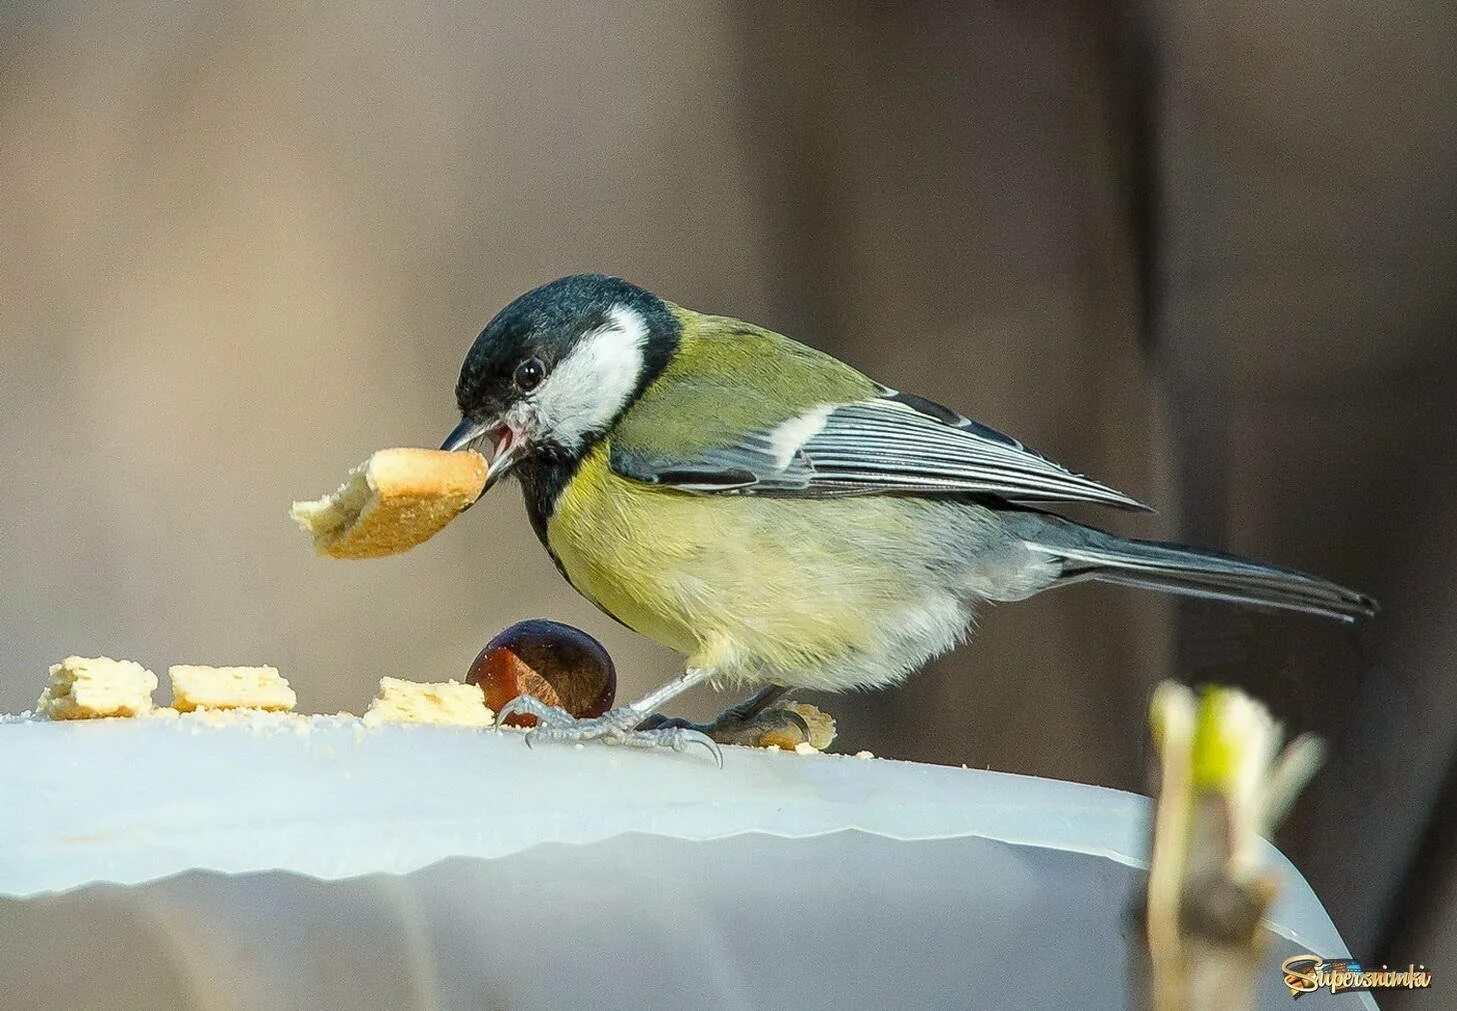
(469, 434)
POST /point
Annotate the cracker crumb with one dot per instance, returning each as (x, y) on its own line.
(863, 755)
(772, 747)
(786, 724)
(806, 748)
(821, 724)
(446, 703)
(84, 688)
(264, 722)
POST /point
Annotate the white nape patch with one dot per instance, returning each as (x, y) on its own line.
(592, 385)
(787, 438)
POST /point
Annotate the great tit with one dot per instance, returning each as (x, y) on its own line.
(775, 516)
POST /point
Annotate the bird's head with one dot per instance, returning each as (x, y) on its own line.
(558, 366)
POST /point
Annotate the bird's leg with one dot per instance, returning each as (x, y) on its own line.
(619, 726)
(738, 724)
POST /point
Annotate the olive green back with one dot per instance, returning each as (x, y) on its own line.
(729, 379)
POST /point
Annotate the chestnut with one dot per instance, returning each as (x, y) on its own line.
(556, 663)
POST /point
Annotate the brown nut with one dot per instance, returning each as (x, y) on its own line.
(556, 663)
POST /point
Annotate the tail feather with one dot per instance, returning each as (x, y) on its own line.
(1087, 553)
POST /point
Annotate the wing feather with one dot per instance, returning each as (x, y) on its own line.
(892, 443)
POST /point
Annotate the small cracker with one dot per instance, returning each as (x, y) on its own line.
(445, 703)
(197, 687)
(84, 688)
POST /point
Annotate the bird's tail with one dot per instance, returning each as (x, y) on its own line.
(1089, 553)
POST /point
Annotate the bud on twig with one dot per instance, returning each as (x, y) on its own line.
(1225, 783)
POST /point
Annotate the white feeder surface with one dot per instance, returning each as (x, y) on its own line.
(133, 801)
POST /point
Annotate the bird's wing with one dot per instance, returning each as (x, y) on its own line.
(884, 443)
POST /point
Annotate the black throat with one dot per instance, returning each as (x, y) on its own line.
(543, 476)
(545, 470)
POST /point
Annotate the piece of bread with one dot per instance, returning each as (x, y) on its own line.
(396, 499)
(445, 702)
(197, 687)
(83, 688)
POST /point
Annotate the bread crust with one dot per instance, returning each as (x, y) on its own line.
(396, 499)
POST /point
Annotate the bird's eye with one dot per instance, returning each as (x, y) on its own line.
(529, 374)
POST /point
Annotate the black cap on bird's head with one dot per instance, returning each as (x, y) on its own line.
(557, 367)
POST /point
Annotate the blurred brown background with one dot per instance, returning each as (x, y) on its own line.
(1204, 252)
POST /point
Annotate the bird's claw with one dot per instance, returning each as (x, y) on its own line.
(680, 739)
(734, 726)
(530, 705)
(616, 727)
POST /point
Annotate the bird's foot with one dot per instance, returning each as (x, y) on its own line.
(735, 726)
(620, 726)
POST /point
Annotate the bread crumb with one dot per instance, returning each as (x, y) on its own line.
(447, 703)
(197, 687)
(864, 755)
(83, 688)
(772, 747)
(806, 748)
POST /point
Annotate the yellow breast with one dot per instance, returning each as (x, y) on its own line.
(745, 585)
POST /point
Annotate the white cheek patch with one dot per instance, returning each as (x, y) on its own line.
(591, 386)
